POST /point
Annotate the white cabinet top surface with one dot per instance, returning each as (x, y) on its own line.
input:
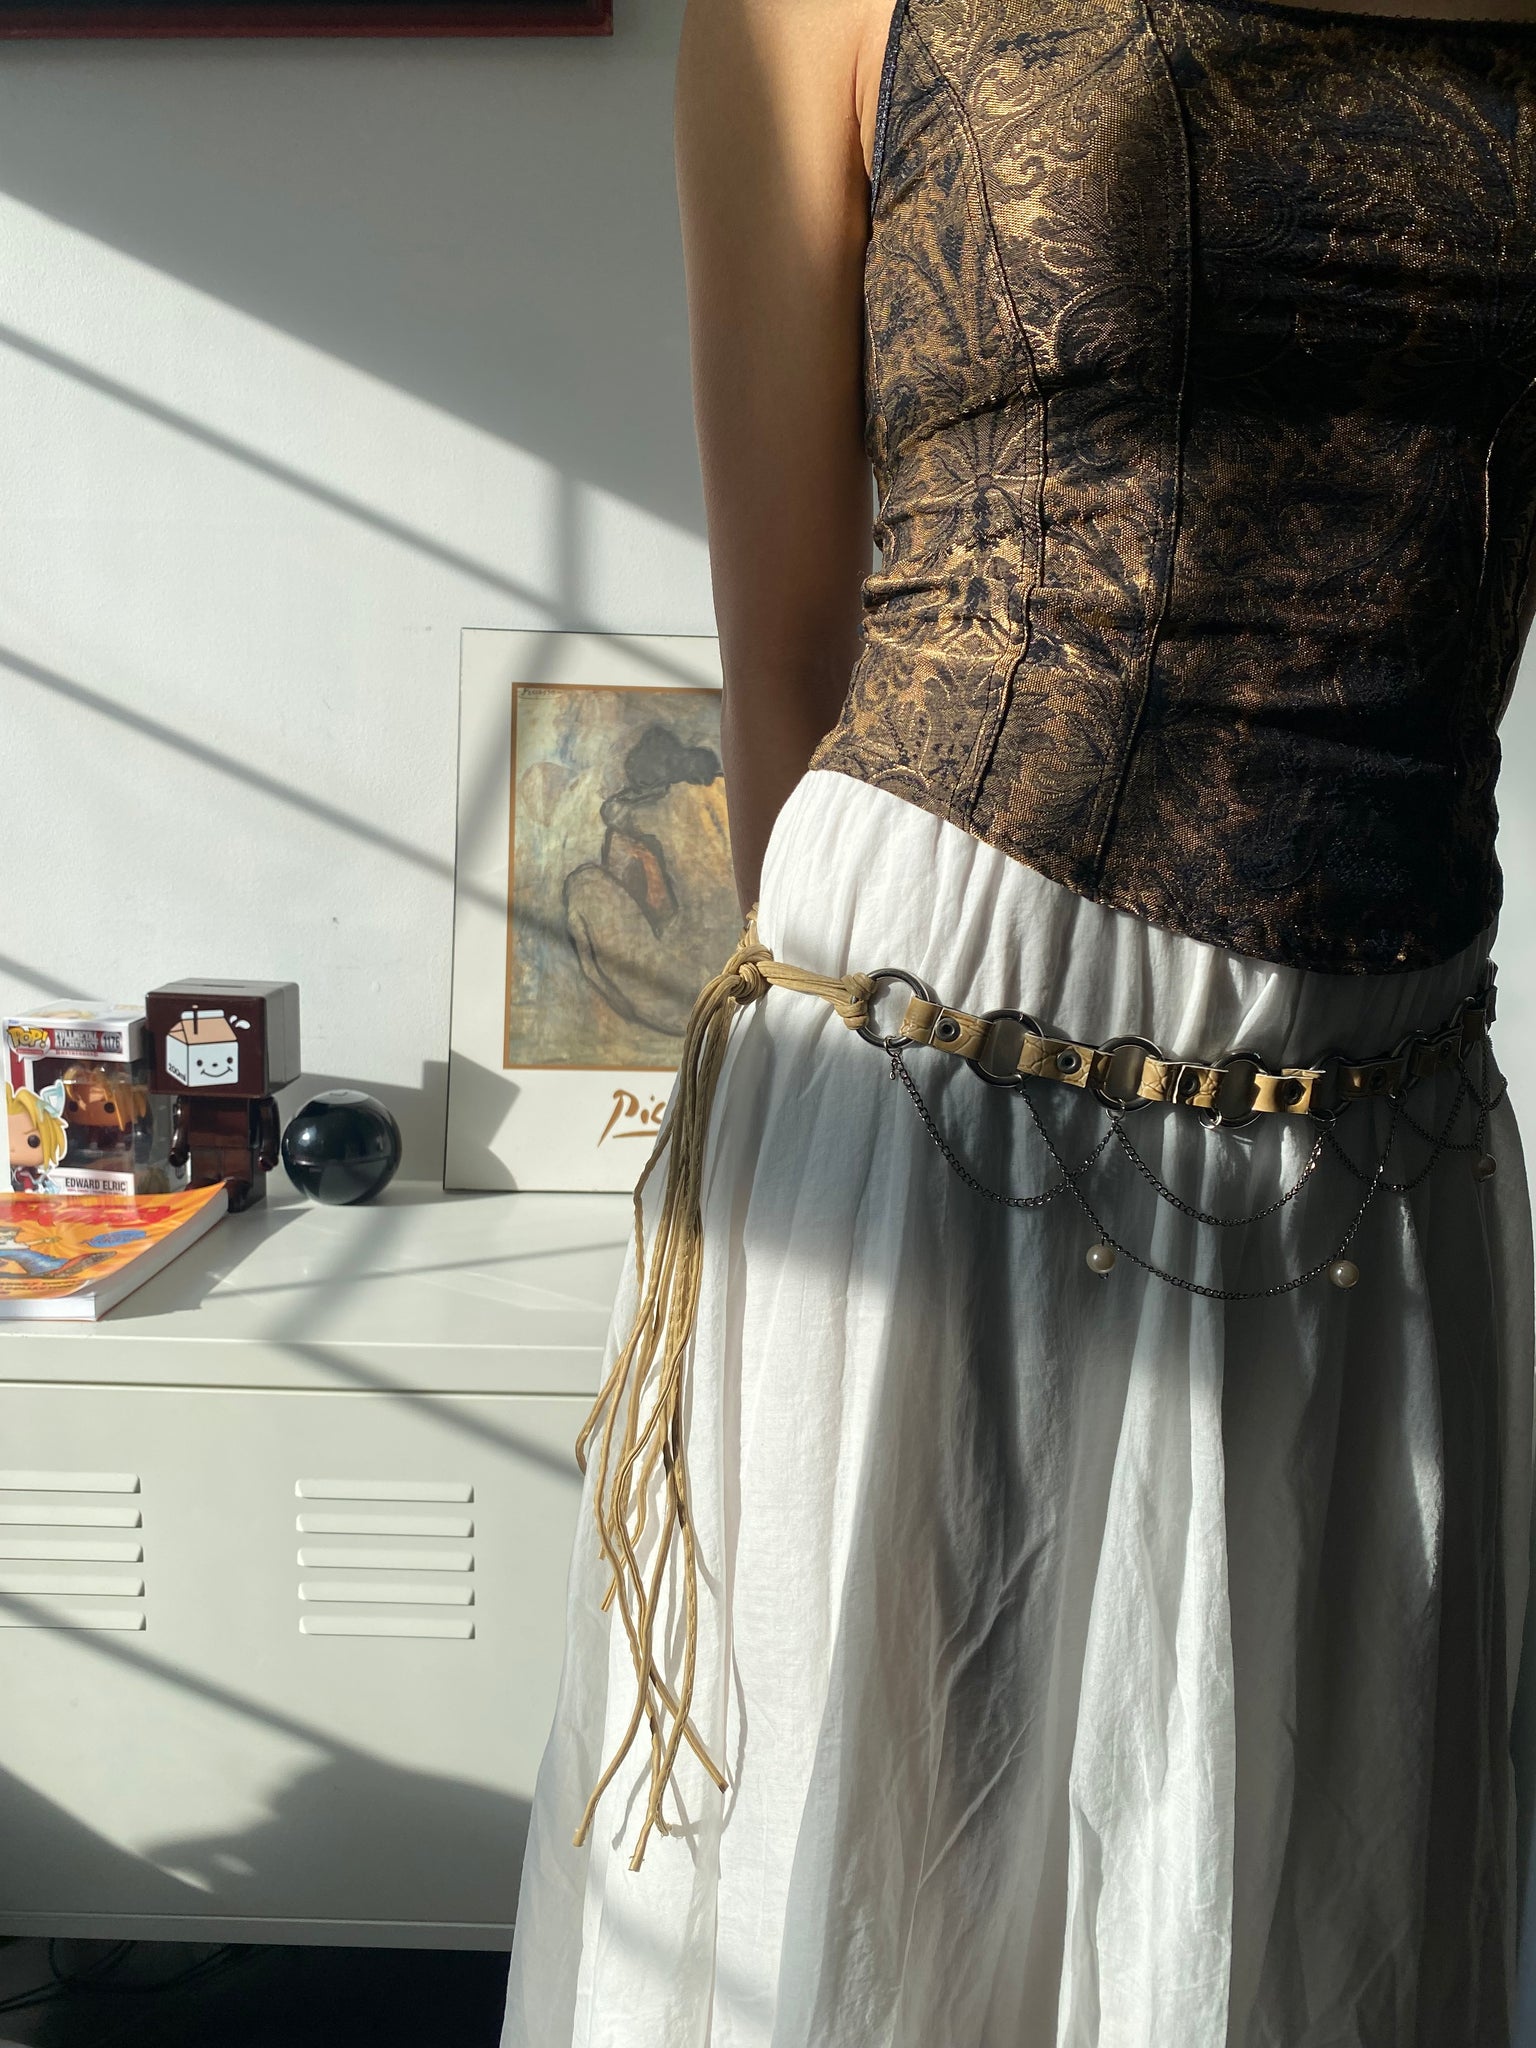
(419, 1291)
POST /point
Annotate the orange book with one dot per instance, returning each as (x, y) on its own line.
(72, 1257)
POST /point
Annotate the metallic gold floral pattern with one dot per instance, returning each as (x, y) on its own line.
(1201, 375)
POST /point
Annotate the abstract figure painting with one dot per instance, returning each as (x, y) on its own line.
(622, 902)
(593, 898)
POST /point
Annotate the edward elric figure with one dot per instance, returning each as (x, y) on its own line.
(221, 1048)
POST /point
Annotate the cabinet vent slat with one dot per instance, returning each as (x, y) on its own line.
(66, 1614)
(385, 1525)
(87, 1550)
(450, 1627)
(325, 1559)
(122, 1585)
(50, 1514)
(68, 1482)
(390, 1592)
(384, 1489)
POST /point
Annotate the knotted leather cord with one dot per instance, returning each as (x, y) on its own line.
(646, 1385)
(650, 1364)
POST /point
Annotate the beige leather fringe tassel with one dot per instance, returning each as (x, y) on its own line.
(640, 1406)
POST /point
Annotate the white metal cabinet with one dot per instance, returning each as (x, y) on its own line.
(216, 1722)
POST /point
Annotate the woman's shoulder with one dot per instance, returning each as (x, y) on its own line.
(797, 50)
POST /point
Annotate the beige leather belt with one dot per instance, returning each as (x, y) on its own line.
(1125, 1073)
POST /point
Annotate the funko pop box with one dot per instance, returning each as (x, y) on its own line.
(81, 1115)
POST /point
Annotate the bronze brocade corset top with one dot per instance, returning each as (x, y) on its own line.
(1201, 395)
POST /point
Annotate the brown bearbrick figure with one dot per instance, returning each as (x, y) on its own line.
(222, 1048)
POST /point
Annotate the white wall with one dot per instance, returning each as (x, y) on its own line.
(310, 355)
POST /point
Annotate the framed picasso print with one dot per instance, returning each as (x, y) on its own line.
(593, 898)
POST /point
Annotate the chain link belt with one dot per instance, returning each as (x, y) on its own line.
(1003, 1046)
(1010, 1048)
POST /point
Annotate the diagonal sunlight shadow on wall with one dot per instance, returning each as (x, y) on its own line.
(295, 404)
(265, 465)
(39, 978)
(482, 792)
(228, 382)
(316, 807)
(350, 193)
(86, 699)
(559, 608)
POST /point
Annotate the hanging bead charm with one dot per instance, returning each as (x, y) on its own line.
(1101, 1257)
(1343, 1272)
(1486, 1167)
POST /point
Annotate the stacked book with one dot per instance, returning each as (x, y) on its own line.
(72, 1257)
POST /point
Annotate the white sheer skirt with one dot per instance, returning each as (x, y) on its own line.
(1092, 1661)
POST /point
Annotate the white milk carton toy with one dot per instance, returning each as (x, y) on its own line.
(202, 1049)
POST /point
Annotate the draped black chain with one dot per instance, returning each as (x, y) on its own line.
(1485, 1094)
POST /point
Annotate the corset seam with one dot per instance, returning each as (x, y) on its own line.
(1005, 669)
(1152, 631)
(876, 444)
(985, 223)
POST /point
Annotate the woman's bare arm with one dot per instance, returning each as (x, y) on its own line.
(775, 117)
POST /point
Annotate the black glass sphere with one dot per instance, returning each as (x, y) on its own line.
(343, 1146)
